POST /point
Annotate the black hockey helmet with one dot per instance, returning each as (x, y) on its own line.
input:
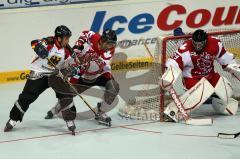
(62, 31)
(199, 39)
(109, 36)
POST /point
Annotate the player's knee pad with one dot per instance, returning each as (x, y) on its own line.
(112, 89)
(229, 107)
(62, 95)
(223, 89)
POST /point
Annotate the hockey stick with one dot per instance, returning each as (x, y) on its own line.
(73, 88)
(228, 136)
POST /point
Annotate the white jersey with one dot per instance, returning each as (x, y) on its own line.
(95, 67)
(57, 55)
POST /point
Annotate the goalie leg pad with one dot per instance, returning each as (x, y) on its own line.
(223, 89)
(222, 107)
(191, 99)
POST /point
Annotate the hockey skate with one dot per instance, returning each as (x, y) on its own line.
(71, 126)
(102, 118)
(9, 125)
(49, 115)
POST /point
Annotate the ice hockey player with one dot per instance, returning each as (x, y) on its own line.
(93, 54)
(194, 60)
(54, 49)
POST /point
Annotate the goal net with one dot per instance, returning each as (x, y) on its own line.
(150, 101)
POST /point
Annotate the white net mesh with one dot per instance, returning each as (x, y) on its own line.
(148, 105)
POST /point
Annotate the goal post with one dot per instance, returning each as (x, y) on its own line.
(150, 101)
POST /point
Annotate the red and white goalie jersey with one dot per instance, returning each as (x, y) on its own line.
(195, 65)
(94, 60)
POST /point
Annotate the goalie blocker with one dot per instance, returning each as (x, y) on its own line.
(196, 96)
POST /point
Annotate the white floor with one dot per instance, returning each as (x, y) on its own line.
(37, 138)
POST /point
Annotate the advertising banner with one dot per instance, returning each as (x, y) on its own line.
(136, 22)
(34, 3)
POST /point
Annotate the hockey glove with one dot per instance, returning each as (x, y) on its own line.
(73, 71)
(41, 51)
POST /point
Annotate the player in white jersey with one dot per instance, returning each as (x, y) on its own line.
(194, 59)
(93, 55)
(54, 49)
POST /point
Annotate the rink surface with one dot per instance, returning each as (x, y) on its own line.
(37, 138)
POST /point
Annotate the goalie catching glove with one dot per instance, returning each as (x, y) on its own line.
(234, 69)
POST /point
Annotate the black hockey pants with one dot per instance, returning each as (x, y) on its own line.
(31, 91)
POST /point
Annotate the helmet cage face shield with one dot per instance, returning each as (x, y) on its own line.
(199, 39)
(199, 45)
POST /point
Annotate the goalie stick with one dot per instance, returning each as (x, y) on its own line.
(186, 117)
(106, 122)
(228, 136)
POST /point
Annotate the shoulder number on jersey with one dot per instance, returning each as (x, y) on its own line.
(175, 56)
